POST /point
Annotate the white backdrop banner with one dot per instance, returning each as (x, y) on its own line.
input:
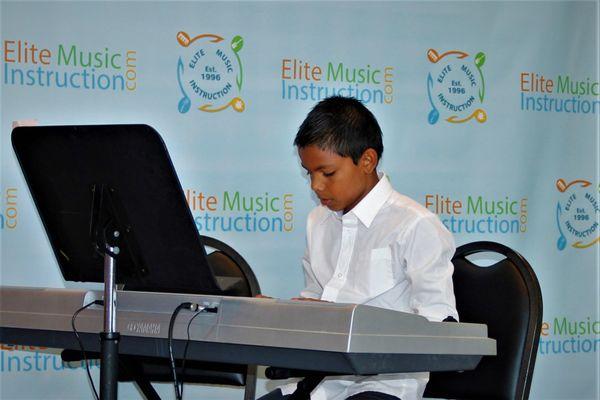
(490, 113)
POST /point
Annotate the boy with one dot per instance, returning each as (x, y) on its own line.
(366, 243)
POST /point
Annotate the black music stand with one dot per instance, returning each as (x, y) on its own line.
(107, 194)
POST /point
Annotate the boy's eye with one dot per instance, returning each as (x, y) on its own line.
(328, 174)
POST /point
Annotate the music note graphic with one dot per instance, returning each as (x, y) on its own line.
(434, 114)
(185, 103)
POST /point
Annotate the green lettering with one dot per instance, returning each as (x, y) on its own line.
(334, 75)
(231, 204)
(274, 202)
(474, 208)
(563, 84)
(560, 326)
(63, 59)
(259, 205)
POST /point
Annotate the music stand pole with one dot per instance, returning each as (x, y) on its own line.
(109, 338)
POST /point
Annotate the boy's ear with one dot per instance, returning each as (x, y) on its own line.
(369, 160)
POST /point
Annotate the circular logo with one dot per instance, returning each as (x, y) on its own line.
(210, 73)
(577, 214)
(455, 86)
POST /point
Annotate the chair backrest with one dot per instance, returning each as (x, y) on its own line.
(505, 296)
(226, 262)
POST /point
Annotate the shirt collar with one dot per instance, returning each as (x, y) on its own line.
(369, 206)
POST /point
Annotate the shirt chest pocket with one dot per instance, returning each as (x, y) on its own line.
(381, 274)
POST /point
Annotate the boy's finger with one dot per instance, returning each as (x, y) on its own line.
(308, 299)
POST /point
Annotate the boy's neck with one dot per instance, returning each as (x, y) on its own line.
(372, 181)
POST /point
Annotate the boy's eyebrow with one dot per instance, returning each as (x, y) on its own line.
(320, 167)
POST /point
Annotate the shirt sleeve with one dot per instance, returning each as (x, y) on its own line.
(429, 249)
(312, 288)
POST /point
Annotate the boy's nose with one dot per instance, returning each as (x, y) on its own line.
(316, 184)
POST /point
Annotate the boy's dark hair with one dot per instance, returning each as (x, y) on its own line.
(343, 125)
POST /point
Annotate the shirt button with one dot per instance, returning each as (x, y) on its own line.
(340, 275)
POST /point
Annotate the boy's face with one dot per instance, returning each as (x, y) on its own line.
(337, 181)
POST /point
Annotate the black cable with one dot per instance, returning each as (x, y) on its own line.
(185, 351)
(188, 306)
(87, 367)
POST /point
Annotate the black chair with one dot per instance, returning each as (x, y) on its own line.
(224, 262)
(505, 296)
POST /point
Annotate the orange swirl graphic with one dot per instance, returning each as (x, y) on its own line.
(581, 245)
(434, 57)
(562, 186)
(479, 115)
(184, 39)
(236, 103)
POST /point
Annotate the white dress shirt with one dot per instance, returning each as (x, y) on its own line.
(388, 252)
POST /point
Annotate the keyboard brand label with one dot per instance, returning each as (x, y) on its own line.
(145, 328)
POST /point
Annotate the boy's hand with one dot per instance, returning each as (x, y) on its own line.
(261, 296)
(309, 299)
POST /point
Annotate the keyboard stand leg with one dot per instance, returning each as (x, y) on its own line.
(250, 388)
(146, 388)
(134, 371)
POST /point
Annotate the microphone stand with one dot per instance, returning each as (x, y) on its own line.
(109, 338)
